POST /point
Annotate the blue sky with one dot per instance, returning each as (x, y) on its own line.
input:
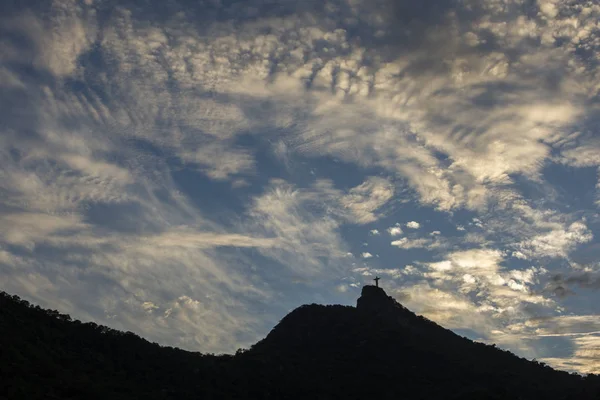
(192, 171)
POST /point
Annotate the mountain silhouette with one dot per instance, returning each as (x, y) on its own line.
(376, 350)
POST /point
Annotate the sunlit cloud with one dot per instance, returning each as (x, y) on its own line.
(395, 230)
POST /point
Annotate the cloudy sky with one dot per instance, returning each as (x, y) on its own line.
(193, 170)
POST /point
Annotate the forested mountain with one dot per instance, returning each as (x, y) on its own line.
(378, 349)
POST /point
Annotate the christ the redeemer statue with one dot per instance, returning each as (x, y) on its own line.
(377, 280)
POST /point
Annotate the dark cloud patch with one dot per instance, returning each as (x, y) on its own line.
(560, 284)
(586, 280)
(561, 291)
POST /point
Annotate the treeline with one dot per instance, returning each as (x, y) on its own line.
(46, 354)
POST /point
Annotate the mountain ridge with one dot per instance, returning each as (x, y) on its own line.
(378, 349)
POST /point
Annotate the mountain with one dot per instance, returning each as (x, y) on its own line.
(376, 350)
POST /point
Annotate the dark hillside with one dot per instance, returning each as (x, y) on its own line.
(44, 354)
(382, 348)
(377, 350)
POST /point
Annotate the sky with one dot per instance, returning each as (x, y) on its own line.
(192, 171)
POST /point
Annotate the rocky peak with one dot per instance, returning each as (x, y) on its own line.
(374, 299)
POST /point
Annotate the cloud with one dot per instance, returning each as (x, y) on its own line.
(131, 284)
(220, 161)
(447, 187)
(299, 220)
(363, 200)
(56, 41)
(468, 267)
(190, 239)
(391, 272)
(470, 289)
(345, 71)
(468, 179)
(585, 358)
(452, 310)
(565, 325)
(413, 225)
(479, 271)
(583, 331)
(374, 232)
(366, 255)
(395, 230)
(406, 243)
(27, 229)
(557, 242)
